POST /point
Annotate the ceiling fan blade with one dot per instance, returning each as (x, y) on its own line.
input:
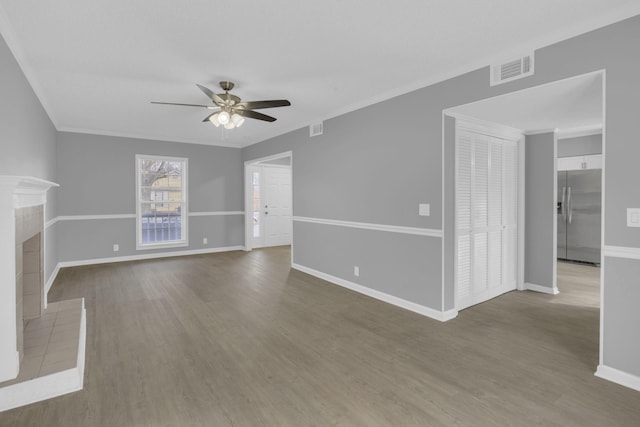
(214, 97)
(254, 115)
(183, 105)
(256, 105)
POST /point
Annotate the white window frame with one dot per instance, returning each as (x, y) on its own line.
(185, 212)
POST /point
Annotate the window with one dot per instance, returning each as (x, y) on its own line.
(161, 195)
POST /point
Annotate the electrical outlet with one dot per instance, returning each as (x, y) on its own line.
(356, 271)
(205, 241)
(116, 247)
(424, 209)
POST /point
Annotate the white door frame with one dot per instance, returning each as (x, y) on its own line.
(499, 131)
(248, 192)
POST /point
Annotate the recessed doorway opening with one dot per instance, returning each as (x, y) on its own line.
(547, 115)
(268, 201)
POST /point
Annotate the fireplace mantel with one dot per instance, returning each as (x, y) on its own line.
(24, 190)
(15, 192)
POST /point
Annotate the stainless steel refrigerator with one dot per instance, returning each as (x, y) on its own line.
(579, 211)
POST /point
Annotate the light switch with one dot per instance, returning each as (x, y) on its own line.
(424, 209)
(633, 217)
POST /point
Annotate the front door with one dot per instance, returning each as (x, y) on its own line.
(271, 203)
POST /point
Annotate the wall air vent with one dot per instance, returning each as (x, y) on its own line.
(315, 129)
(511, 70)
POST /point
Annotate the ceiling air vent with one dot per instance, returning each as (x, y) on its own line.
(512, 70)
(315, 129)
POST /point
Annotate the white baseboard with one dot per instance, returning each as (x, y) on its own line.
(148, 256)
(543, 289)
(48, 386)
(442, 316)
(50, 281)
(618, 377)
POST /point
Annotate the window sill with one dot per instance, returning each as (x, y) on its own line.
(161, 246)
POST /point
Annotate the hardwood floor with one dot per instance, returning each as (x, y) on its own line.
(239, 339)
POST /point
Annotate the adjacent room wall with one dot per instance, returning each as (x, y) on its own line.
(28, 140)
(369, 170)
(580, 145)
(540, 212)
(97, 178)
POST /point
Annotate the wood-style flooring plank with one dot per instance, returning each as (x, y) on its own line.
(240, 339)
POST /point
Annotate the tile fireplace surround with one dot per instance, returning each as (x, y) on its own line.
(41, 347)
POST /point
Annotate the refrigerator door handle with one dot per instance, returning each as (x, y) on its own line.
(569, 202)
(563, 208)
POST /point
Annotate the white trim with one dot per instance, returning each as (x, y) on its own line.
(52, 385)
(617, 376)
(442, 316)
(49, 283)
(554, 217)
(430, 232)
(442, 210)
(543, 289)
(269, 165)
(596, 129)
(130, 216)
(143, 256)
(539, 131)
(216, 213)
(51, 222)
(602, 214)
(148, 137)
(88, 217)
(621, 252)
(484, 127)
(268, 158)
(521, 211)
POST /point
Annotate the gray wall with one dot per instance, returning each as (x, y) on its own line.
(539, 209)
(97, 177)
(365, 169)
(28, 139)
(580, 145)
(283, 161)
(621, 343)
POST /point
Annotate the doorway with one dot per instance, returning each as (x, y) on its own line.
(268, 202)
(544, 113)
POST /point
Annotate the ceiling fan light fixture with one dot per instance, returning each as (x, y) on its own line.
(228, 110)
(214, 119)
(223, 117)
(237, 119)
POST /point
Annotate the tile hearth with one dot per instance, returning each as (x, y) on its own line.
(53, 361)
(51, 341)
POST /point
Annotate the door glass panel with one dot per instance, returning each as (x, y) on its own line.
(256, 204)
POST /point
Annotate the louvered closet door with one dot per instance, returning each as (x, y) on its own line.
(486, 217)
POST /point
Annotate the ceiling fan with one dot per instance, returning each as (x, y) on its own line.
(231, 112)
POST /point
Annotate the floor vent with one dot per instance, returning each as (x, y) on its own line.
(511, 70)
(315, 129)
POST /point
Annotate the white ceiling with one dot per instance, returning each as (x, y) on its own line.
(568, 105)
(96, 65)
